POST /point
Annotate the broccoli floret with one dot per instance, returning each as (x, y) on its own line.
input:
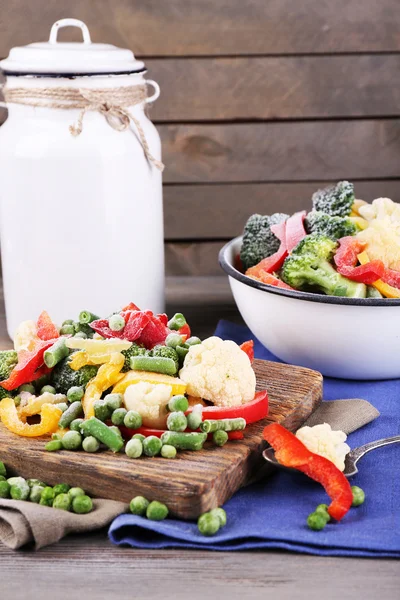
(333, 227)
(134, 350)
(5, 393)
(308, 268)
(336, 200)
(258, 239)
(8, 360)
(166, 352)
(63, 377)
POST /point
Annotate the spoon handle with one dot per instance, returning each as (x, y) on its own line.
(357, 453)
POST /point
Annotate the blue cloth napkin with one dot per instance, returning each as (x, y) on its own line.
(272, 514)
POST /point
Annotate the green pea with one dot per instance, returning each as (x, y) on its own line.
(4, 489)
(63, 406)
(195, 417)
(81, 334)
(177, 321)
(138, 436)
(113, 401)
(134, 448)
(193, 341)
(76, 392)
(82, 505)
(152, 445)
(16, 480)
(116, 322)
(220, 437)
(208, 524)
(156, 511)
(68, 322)
(118, 416)
(32, 482)
(173, 340)
(90, 444)
(133, 419)
(36, 493)
(101, 410)
(75, 425)
(20, 491)
(322, 509)
(3, 478)
(3, 470)
(178, 403)
(67, 329)
(62, 501)
(316, 521)
(358, 495)
(176, 421)
(76, 491)
(17, 401)
(27, 387)
(47, 389)
(61, 488)
(221, 514)
(47, 496)
(168, 451)
(72, 440)
(138, 505)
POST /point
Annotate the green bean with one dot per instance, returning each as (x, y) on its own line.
(184, 441)
(116, 322)
(76, 425)
(114, 401)
(132, 419)
(138, 436)
(27, 387)
(3, 470)
(90, 444)
(62, 502)
(73, 412)
(178, 403)
(103, 433)
(101, 410)
(177, 321)
(4, 489)
(67, 329)
(76, 491)
(220, 437)
(221, 514)
(193, 341)
(155, 364)
(134, 448)
(195, 417)
(316, 521)
(156, 511)
(72, 440)
(116, 429)
(75, 393)
(20, 491)
(358, 495)
(82, 504)
(173, 340)
(152, 445)
(208, 524)
(36, 493)
(210, 425)
(86, 317)
(56, 353)
(118, 416)
(168, 451)
(138, 505)
(47, 496)
(54, 446)
(176, 421)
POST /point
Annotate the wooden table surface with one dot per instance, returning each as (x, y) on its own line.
(89, 567)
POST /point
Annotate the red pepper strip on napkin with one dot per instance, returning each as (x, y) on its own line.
(291, 452)
(46, 330)
(26, 369)
(274, 262)
(346, 259)
(248, 348)
(295, 231)
(252, 411)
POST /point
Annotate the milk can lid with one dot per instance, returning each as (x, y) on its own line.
(63, 59)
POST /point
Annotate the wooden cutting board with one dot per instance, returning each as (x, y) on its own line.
(190, 484)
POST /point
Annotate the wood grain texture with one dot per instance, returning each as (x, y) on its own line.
(222, 209)
(258, 88)
(196, 481)
(209, 27)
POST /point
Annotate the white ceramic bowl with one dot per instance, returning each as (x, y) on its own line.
(351, 338)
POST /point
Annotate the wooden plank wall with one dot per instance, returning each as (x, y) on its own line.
(263, 101)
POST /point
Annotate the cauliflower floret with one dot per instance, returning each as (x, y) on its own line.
(150, 401)
(321, 440)
(25, 337)
(379, 209)
(382, 236)
(220, 372)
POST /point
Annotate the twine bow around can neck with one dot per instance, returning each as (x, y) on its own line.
(112, 103)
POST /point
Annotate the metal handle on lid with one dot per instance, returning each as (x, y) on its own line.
(69, 23)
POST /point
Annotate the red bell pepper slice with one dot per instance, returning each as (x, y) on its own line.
(185, 330)
(295, 231)
(391, 277)
(291, 452)
(252, 411)
(147, 431)
(248, 348)
(142, 327)
(269, 279)
(163, 318)
(130, 306)
(26, 369)
(274, 262)
(46, 330)
(346, 261)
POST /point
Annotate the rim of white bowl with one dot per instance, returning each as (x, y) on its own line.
(227, 266)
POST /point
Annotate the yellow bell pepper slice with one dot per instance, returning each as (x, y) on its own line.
(357, 204)
(108, 375)
(131, 377)
(81, 359)
(98, 346)
(50, 415)
(384, 288)
(359, 221)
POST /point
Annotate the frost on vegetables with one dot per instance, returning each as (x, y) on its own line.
(132, 374)
(273, 247)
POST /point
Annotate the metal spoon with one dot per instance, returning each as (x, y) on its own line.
(351, 460)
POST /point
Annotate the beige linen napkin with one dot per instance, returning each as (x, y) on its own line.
(25, 522)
